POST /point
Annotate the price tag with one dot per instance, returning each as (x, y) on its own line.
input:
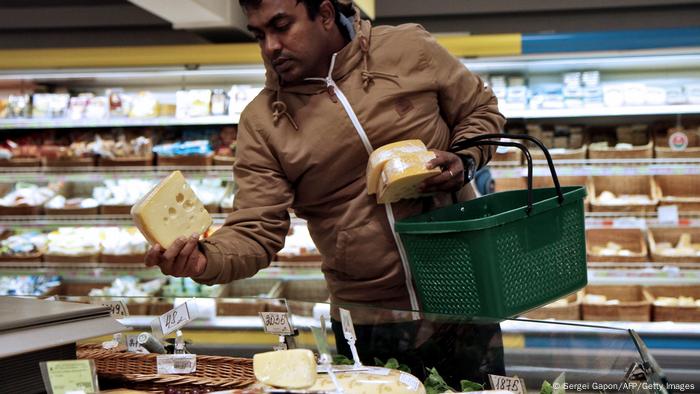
(117, 308)
(132, 344)
(277, 323)
(321, 342)
(668, 214)
(169, 364)
(346, 321)
(514, 384)
(410, 381)
(61, 377)
(175, 319)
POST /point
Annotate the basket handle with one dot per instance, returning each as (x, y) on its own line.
(480, 139)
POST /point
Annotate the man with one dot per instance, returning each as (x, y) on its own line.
(336, 88)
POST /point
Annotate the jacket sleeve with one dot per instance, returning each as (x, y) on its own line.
(467, 106)
(258, 225)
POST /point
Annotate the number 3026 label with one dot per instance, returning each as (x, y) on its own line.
(277, 323)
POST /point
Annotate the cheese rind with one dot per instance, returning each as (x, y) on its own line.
(403, 174)
(379, 157)
(169, 211)
(289, 369)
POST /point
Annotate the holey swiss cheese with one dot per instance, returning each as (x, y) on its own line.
(169, 211)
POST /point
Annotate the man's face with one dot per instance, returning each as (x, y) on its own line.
(291, 42)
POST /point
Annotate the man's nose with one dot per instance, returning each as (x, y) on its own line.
(272, 45)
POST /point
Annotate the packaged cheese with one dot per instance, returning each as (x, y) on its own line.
(373, 381)
(169, 211)
(403, 174)
(379, 157)
(288, 369)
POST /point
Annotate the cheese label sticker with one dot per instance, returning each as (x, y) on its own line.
(277, 323)
(175, 319)
(71, 376)
(176, 364)
(410, 381)
(346, 321)
(514, 384)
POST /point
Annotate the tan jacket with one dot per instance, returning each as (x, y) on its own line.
(298, 147)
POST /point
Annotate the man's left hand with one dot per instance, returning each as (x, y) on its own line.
(452, 177)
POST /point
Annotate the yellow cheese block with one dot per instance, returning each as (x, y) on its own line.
(379, 157)
(169, 211)
(289, 369)
(375, 381)
(403, 174)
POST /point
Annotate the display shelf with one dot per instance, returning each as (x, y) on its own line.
(601, 111)
(23, 124)
(51, 221)
(597, 167)
(97, 174)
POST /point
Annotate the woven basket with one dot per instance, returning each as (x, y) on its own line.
(568, 154)
(668, 153)
(675, 313)
(131, 161)
(21, 162)
(22, 210)
(539, 182)
(631, 239)
(505, 184)
(115, 209)
(512, 155)
(619, 185)
(21, 258)
(122, 258)
(637, 152)
(680, 190)
(70, 162)
(59, 258)
(672, 235)
(572, 311)
(634, 305)
(72, 211)
(139, 370)
(195, 160)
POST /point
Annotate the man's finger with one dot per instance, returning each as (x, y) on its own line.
(153, 255)
(200, 266)
(185, 253)
(174, 249)
(191, 267)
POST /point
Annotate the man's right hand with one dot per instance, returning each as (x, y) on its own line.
(181, 259)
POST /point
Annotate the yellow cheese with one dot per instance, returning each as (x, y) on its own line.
(403, 174)
(169, 211)
(289, 369)
(685, 242)
(375, 381)
(379, 157)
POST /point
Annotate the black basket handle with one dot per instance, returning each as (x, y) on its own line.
(488, 139)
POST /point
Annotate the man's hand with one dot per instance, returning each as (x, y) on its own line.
(181, 259)
(452, 177)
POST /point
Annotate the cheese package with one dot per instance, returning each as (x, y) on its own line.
(403, 174)
(379, 157)
(373, 381)
(288, 369)
(169, 211)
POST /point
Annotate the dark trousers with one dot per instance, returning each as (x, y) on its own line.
(457, 350)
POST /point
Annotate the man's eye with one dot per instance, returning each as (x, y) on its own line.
(283, 27)
(259, 37)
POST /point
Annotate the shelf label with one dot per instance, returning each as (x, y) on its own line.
(169, 364)
(117, 308)
(678, 141)
(346, 321)
(175, 319)
(410, 381)
(277, 323)
(514, 384)
(72, 376)
(668, 214)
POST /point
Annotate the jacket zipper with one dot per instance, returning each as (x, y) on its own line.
(334, 90)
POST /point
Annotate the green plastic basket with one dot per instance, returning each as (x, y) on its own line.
(499, 255)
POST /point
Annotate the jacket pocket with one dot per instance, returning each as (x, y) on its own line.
(365, 252)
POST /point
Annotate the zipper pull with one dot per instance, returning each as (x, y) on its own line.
(331, 93)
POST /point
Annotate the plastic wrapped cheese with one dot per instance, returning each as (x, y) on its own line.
(288, 369)
(169, 211)
(403, 174)
(379, 157)
(373, 381)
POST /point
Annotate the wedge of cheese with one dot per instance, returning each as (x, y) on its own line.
(373, 381)
(287, 369)
(403, 174)
(169, 211)
(379, 157)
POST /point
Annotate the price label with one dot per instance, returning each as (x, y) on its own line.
(346, 321)
(117, 308)
(678, 141)
(277, 323)
(514, 384)
(132, 343)
(175, 319)
(410, 381)
(668, 214)
(63, 377)
(179, 364)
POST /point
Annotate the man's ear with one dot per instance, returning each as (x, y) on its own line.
(327, 14)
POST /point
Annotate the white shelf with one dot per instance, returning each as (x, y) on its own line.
(9, 124)
(601, 111)
(621, 167)
(98, 174)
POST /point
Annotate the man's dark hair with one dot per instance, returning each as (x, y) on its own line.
(312, 7)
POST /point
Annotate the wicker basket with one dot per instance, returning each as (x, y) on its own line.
(175, 161)
(81, 289)
(675, 313)
(568, 154)
(72, 211)
(139, 370)
(505, 184)
(627, 185)
(634, 305)
(224, 160)
(512, 155)
(637, 152)
(662, 152)
(672, 235)
(25, 210)
(571, 311)
(539, 182)
(70, 162)
(631, 239)
(21, 162)
(21, 258)
(130, 161)
(115, 209)
(680, 190)
(59, 258)
(122, 258)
